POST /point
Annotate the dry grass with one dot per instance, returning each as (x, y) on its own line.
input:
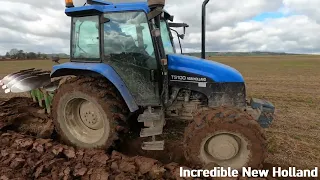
(292, 83)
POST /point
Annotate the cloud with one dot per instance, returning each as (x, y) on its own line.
(288, 34)
(38, 3)
(243, 25)
(33, 26)
(224, 13)
(288, 26)
(309, 8)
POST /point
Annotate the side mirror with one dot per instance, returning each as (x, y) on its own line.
(181, 36)
(167, 16)
(178, 25)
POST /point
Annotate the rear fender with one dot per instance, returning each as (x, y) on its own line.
(105, 70)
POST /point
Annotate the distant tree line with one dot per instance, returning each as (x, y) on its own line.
(20, 54)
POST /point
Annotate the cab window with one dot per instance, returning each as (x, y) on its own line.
(166, 40)
(85, 39)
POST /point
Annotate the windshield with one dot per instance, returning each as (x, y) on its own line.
(166, 40)
(127, 32)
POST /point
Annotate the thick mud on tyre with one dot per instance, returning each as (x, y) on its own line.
(89, 113)
(224, 138)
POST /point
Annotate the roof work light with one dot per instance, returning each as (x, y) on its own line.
(69, 3)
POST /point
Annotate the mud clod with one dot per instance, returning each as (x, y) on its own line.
(62, 162)
(23, 115)
(34, 153)
(26, 156)
(145, 164)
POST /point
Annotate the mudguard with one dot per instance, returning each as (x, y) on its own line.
(103, 69)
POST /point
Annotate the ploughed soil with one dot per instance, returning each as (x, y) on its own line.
(24, 156)
(36, 153)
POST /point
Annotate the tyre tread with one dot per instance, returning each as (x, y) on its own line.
(210, 119)
(100, 88)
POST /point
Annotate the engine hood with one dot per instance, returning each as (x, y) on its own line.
(216, 71)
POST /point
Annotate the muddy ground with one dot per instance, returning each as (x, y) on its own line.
(24, 156)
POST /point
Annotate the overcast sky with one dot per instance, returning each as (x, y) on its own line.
(232, 25)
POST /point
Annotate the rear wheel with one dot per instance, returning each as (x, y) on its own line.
(89, 113)
(226, 138)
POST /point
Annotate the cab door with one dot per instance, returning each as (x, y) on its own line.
(128, 48)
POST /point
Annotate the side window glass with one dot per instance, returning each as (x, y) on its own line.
(85, 43)
(147, 40)
(165, 36)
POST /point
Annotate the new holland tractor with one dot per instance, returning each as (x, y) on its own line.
(123, 62)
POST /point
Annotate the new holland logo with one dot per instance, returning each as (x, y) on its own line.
(202, 82)
(188, 78)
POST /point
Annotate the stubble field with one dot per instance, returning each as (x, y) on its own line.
(291, 83)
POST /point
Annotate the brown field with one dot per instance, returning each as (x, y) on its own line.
(291, 83)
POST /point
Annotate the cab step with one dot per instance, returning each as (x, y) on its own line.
(151, 131)
(153, 145)
(151, 114)
(154, 121)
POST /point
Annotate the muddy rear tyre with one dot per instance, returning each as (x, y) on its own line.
(224, 137)
(89, 113)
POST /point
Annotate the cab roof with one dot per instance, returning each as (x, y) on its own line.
(107, 7)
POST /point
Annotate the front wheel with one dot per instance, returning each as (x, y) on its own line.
(89, 113)
(225, 137)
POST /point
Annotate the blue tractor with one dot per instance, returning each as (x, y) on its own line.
(123, 64)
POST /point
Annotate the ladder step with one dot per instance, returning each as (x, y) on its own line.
(153, 145)
(153, 131)
(151, 116)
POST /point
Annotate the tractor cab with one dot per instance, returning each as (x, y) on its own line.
(131, 37)
(125, 27)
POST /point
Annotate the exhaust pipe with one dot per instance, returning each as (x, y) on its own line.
(203, 43)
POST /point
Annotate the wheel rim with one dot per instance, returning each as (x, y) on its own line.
(84, 120)
(224, 149)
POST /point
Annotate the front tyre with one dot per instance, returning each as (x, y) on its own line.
(225, 137)
(89, 113)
